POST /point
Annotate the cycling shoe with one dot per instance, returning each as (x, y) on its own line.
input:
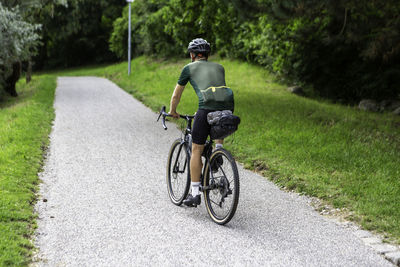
(192, 201)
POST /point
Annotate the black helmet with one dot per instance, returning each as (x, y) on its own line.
(199, 45)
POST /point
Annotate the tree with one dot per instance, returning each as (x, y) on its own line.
(77, 33)
(19, 40)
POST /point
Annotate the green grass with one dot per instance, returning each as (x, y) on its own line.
(25, 123)
(348, 158)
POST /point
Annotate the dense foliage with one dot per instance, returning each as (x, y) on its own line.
(346, 49)
(71, 33)
(19, 40)
(77, 32)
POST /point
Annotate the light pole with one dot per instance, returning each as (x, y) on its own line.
(129, 37)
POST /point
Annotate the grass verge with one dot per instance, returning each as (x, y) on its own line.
(346, 157)
(25, 124)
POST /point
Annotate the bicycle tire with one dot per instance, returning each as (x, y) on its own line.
(178, 172)
(227, 171)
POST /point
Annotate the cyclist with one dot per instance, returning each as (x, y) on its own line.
(208, 80)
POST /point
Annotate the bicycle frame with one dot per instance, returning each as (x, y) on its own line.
(206, 153)
(187, 135)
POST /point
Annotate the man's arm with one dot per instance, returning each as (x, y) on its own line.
(176, 97)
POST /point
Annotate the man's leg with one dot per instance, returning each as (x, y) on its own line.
(195, 162)
(218, 160)
(200, 131)
(195, 172)
(219, 143)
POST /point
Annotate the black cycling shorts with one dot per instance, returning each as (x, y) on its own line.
(201, 128)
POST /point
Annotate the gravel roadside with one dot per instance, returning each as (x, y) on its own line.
(103, 199)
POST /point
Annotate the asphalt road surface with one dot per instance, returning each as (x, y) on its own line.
(104, 202)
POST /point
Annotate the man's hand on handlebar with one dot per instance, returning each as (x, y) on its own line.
(174, 114)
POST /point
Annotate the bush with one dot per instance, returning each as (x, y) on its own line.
(346, 50)
(164, 28)
(147, 25)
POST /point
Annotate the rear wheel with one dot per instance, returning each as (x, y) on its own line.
(178, 172)
(222, 183)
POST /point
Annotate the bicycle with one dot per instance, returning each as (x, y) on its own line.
(219, 177)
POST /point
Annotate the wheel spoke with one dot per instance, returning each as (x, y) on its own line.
(214, 202)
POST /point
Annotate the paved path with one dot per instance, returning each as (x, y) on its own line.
(107, 203)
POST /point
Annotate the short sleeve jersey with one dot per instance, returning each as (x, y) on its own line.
(204, 74)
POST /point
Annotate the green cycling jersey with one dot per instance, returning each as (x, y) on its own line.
(208, 80)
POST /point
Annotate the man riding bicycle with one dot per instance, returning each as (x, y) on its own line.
(208, 80)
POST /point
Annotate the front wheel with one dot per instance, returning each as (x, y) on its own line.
(178, 172)
(222, 186)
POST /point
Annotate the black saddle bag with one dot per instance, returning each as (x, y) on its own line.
(223, 123)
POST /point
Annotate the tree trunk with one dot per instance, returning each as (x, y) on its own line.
(29, 72)
(12, 80)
